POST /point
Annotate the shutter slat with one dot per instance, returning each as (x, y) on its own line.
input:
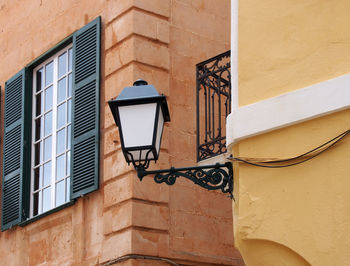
(13, 151)
(85, 122)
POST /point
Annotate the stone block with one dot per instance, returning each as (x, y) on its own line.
(119, 55)
(151, 53)
(116, 245)
(117, 191)
(107, 119)
(150, 243)
(119, 29)
(115, 165)
(157, 77)
(118, 80)
(184, 67)
(149, 190)
(116, 8)
(150, 216)
(111, 140)
(118, 217)
(187, 125)
(160, 7)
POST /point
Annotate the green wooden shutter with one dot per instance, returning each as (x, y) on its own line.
(14, 152)
(85, 120)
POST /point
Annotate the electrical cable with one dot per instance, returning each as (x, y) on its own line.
(315, 152)
(143, 257)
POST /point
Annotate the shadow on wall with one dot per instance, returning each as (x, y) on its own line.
(269, 253)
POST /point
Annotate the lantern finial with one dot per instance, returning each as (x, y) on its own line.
(140, 82)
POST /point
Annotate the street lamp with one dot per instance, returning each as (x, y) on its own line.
(140, 113)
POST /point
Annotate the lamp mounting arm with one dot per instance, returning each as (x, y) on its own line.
(212, 177)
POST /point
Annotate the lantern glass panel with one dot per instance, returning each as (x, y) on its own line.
(136, 155)
(159, 130)
(137, 123)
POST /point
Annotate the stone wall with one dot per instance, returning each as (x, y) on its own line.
(159, 41)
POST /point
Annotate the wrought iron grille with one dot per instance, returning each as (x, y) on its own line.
(213, 105)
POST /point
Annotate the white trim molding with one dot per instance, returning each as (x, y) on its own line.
(287, 109)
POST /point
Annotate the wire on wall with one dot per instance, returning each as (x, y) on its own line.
(293, 160)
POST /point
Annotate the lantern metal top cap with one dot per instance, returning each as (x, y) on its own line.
(140, 93)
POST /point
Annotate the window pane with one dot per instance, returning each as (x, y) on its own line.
(61, 115)
(69, 85)
(60, 167)
(47, 148)
(46, 199)
(61, 141)
(68, 136)
(70, 55)
(48, 98)
(48, 124)
(39, 103)
(60, 193)
(62, 88)
(62, 64)
(39, 79)
(69, 111)
(35, 204)
(38, 174)
(38, 153)
(49, 73)
(47, 174)
(68, 164)
(38, 123)
(67, 189)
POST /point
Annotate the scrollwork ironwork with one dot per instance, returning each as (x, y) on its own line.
(211, 177)
(213, 105)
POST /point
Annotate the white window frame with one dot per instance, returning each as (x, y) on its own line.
(54, 129)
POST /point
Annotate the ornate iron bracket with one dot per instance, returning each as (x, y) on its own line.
(211, 177)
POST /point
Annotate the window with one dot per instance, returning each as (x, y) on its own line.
(51, 124)
(51, 129)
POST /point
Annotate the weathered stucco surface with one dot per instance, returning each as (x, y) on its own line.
(159, 41)
(297, 215)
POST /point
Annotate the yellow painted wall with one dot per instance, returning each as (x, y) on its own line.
(285, 45)
(298, 215)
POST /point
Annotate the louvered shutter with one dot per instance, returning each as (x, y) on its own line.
(85, 120)
(14, 152)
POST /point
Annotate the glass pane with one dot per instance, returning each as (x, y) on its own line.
(60, 167)
(68, 137)
(47, 174)
(61, 115)
(68, 164)
(68, 189)
(38, 174)
(39, 103)
(49, 73)
(39, 79)
(70, 55)
(69, 111)
(134, 117)
(38, 124)
(35, 203)
(47, 148)
(60, 193)
(62, 89)
(48, 98)
(48, 124)
(61, 141)
(47, 199)
(37, 153)
(69, 85)
(62, 64)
